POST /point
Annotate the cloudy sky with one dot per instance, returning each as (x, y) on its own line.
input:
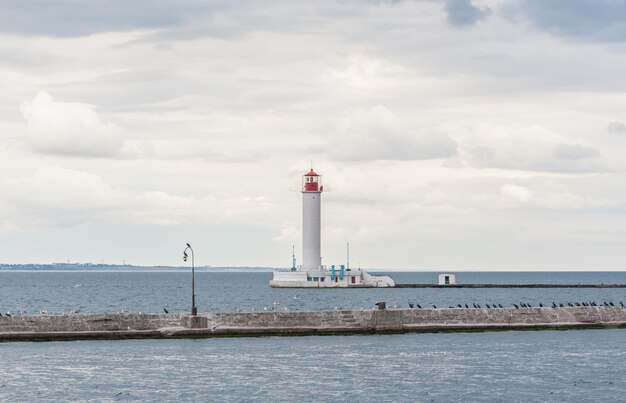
(457, 134)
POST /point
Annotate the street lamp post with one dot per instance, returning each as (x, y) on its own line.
(194, 310)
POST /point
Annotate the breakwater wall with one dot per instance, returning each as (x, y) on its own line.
(363, 321)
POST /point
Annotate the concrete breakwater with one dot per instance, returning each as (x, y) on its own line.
(363, 321)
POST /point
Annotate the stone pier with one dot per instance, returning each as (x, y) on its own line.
(361, 321)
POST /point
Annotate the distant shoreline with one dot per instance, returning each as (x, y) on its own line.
(92, 267)
(122, 268)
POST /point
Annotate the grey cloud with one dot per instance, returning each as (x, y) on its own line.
(574, 151)
(171, 19)
(66, 18)
(560, 158)
(530, 149)
(617, 127)
(379, 135)
(597, 20)
(463, 13)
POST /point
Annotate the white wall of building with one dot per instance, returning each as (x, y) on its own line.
(451, 279)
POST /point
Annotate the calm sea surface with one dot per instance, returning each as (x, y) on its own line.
(580, 365)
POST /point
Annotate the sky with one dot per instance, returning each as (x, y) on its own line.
(451, 135)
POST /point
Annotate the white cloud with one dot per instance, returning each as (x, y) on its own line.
(515, 193)
(68, 128)
(289, 234)
(518, 196)
(59, 197)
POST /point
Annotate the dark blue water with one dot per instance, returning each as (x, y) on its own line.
(566, 366)
(145, 291)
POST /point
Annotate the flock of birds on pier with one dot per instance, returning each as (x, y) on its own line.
(413, 305)
(527, 305)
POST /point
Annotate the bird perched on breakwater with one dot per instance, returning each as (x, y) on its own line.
(553, 304)
(165, 310)
(435, 306)
(466, 306)
(611, 303)
(622, 304)
(411, 305)
(516, 307)
(418, 306)
(487, 305)
(500, 306)
(540, 305)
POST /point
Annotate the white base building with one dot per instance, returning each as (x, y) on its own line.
(328, 278)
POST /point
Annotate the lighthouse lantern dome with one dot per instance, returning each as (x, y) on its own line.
(311, 182)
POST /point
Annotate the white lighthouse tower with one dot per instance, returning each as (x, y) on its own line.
(311, 221)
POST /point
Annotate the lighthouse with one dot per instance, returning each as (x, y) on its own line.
(311, 274)
(311, 221)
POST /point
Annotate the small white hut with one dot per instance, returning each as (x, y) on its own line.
(447, 279)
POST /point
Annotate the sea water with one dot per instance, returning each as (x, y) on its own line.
(152, 291)
(567, 366)
(576, 365)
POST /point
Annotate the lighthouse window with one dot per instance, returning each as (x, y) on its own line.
(322, 278)
(315, 278)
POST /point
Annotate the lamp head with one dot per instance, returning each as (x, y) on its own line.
(189, 246)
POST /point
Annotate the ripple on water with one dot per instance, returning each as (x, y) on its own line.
(582, 365)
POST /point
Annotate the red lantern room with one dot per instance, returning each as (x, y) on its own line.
(311, 182)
